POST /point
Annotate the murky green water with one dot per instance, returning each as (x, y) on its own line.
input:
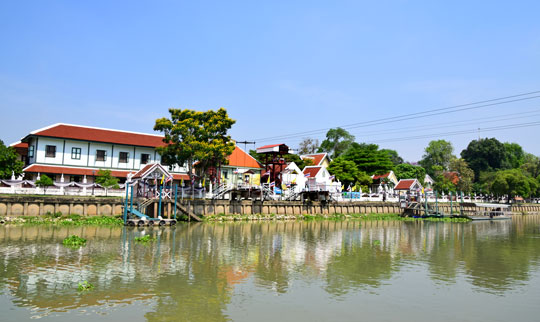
(284, 271)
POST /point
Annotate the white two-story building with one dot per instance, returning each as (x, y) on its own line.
(75, 153)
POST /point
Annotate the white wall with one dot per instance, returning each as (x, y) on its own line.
(40, 152)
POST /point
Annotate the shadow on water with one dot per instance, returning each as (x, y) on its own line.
(190, 272)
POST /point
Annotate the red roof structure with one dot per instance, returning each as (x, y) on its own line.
(239, 158)
(380, 176)
(317, 158)
(78, 132)
(405, 184)
(312, 171)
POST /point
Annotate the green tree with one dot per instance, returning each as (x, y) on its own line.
(442, 182)
(368, 158)
(514, 156)
(9, 162)
(465, 175)
(409, 171)
(308, 146)
(196, 136)
(105, 179)
(44, 182)
(484, 155)
(531, 165)
(337, 141)
(394, 156)
(513, 183)
(345, 171)
(437, 153)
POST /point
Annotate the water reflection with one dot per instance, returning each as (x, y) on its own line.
(190, 272)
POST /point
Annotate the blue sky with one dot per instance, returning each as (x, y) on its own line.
(279, 67)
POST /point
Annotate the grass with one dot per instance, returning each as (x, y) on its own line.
(67, 220)
(145, 239)
(74, 241)
(84, 286)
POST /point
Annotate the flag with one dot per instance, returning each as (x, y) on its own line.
(267, 173)
(169, 178)
(332, 177)
(162, 178)
(203, 181)
(293, 181)
(155, 181)
(422, 190)
(307, 175)
(342, 187)
(182, 182)
(349, 188)
(268, 181)
(272, 184)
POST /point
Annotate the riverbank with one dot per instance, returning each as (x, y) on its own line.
(64, 220)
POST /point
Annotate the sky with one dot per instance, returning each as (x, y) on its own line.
(284, 70)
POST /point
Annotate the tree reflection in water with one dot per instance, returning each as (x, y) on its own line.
(190, 272)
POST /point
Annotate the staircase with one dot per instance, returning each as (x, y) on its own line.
(220, 191)
(188, 213)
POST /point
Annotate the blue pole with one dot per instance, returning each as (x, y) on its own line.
(175, 197)
(159, 208)
(126, 203)
(131, 206)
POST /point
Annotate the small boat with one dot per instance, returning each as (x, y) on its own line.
(486, 211)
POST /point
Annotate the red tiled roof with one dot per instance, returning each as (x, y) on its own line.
(100, 135)
(143, 170)
(72, 171)
(312, 171)
(375, 177)
(404, 184)
(317, 158)
(270, 146)
(239, 158)
(21, 145)
(180, 176)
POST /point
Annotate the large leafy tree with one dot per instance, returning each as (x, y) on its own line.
(195, 136)
(514, 156)
(308, 146)
(337, 141)
(531, 165)
(465, 175)
(394, 156)
(513, 183)
(443, 182)
(484, 155)
(345, 171)
(438, 153)
(409, 171)
(368, 158)
(290, 157)
(9, 162)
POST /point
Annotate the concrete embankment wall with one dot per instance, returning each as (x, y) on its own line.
(36, 206)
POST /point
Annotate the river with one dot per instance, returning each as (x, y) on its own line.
(275, 271)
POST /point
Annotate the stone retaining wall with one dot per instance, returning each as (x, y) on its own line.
(36, 206)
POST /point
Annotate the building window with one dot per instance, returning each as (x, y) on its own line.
(76, 154)
(124, 157)
(145, 158)
(50, 151)
(31, 151)
(101, 155)
(75, 179)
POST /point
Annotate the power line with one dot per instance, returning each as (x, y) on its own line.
(488, 129)
(423, 114)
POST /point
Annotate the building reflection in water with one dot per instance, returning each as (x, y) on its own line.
(191, 271)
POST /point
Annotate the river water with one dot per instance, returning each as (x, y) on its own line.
(276, 271)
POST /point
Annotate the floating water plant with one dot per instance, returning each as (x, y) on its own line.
(145, 239)
(84, 286)
(74, 241)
